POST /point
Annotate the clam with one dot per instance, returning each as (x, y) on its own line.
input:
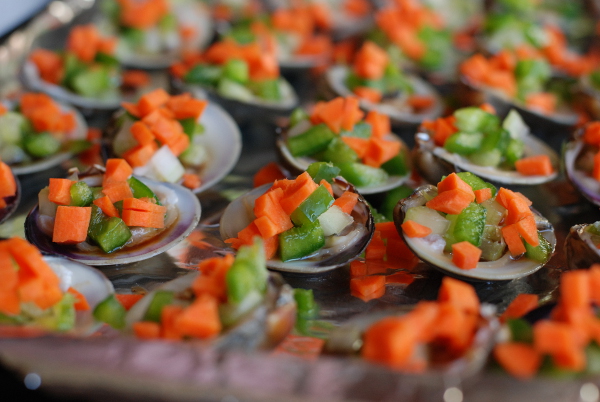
(262, 327)
(88, 281)
(395, 107)
(347, 340)
(11, 203)
(581, 247)
(430, 249)
(433, 162)
(338, 250)
(38, 165)
(188, 13)
(577, 156)
(299, 164)
(183, 214)
(221, 139)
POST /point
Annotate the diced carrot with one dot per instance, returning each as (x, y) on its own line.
(59, 191)
(380, 151)
(8, 184)
(3, 109)
(71, 224)
(454, 328)
(327, 185)
(268, 174)
(140, 154)
(82, 42)
(191, 181)
(400, 278)
(117, 191)
(545, 102)
(271, 245)
(357, 269)
(502, 80)
(591, 134)
(368, 287)
(107, 207)
(444, 129)
(420, 102)
(528, 230)
(594, 273)
(575, 289)
(465, 255)
(331, 114)
(517, 209)
(518, 359)
(453, 181)
(142, 15)
(486, 107)
(142, 133)
(138, 204)
(295, 195)
(200, 319)
(451, 201)
(152, 101)
(414, 229)
(369, 94)
(511, 236)
(387, 230)
(376, 248)
(49, 65)
(347, 201)
(30, 261)
(9, 297)
(521, 305)
(389, 341)
(554, 338)
(475, 68)
(316, 45)
(460, 294)
(135, 78)
(143, 219)
(370, 61)
(358, 145)
(267, 227)
(146, 329)
(399, 253)
(268, 205)
(185, 107)
(483, 194)
(128, 300)
(117, 170)
(596, 167)
(380, 123)
(504, 196)
(168, 315)
(377, 266)
(81, 303)
(131, 108)
(535, 165)
(351, 113)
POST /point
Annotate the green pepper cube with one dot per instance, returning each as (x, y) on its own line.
(236, 70)
(240, 281)
(475, 120)
(301, 241)
(203, 74)
(313, 140)
(338, 151)
(191, 127)
(323, 171)
(362, 175)
(476, 182)
(253, 256)
(514, 151)
(470, 224)
(305, 302)
(397, 166)
(108, 233)
(160, 299)
(496, 139)
(360, 130)
(463, 143)
(312, 207)
(81, 194)
(298, 115)
(541, 252)
(111, 312)
(520, 330)
(140, 190)
(41, 145)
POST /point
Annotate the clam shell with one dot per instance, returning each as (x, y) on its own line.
(239, 109)
(586, 185)
(38, 165)
(502, 269)
(261, 328)
(238, 215)
(396, 109)
(223, 142)
(186, 206)
(434, 162)
(299, 165)
(580, 249)
(347, 340)
(191, 13)
(11, 202)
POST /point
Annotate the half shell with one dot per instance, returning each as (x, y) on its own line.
(587, 185)
(580, 248)
(338, 250)
(502, 269)
(183, 211)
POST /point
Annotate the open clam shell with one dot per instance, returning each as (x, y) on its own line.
(188, 13)
(261, 328)
(587, 185)
(396, 108)
(300, 164)
(433, 162)
(347, 340)
(338, 251)
(257, 108)
(563, 116)
(183, 213)
(11, 203)
(505, 268)
(38, 165)
(580, 248)
(221, 138)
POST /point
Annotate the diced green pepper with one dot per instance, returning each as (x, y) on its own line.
(496, 139)
(41, 145)
(514, 151)
(253, 257)
(593, 228)
(267, 89)
(160, 299)
(541, 252)
(111, 312)
(463, 143)
(191, 127)
(298, 115)
(476, 182)
(475, 120)
(239, 281)
(338, 151)
(93, 82)
(108, 233)
(313, 140)
(469, 224)
(520, 330)
(362, 175)
(493, 157)
(140, 190)
(396, 166)
(301, 241)
(312, 207)
(360, 130)
(323, 171)
(81, 194)
(236, 70)
(203, 74)
(305, 302)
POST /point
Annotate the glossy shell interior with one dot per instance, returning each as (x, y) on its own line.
(300, 164)
(38, 165)
(261, 328)
(587, 185)
(396, 108)
(580, 248)
(503, 269)
(433, 160)
(239, 214)
(184, 208)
